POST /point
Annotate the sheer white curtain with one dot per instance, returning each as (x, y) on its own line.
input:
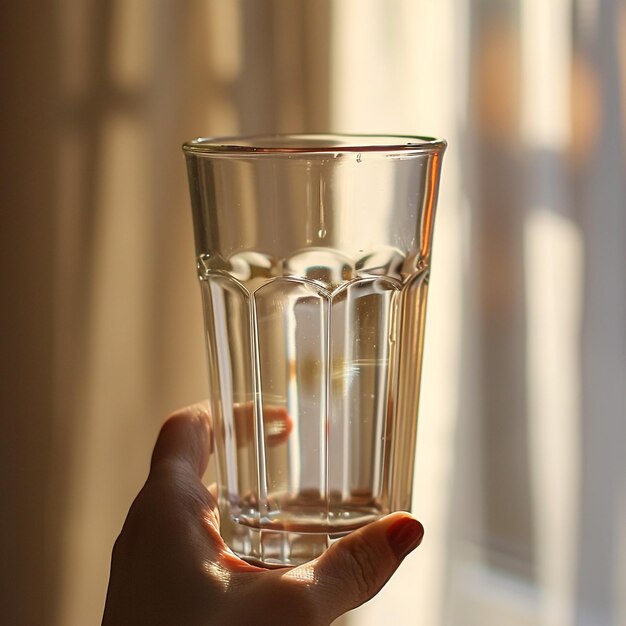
(129, 82)
(520, 479)
(396, 69)
(138, 78)
(399, 67)
(520, 475)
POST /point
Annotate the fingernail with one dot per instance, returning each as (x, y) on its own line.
(275, 428)
(405, 535)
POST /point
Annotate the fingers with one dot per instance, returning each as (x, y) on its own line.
(185, 438)
(276, 422)
(355, 569)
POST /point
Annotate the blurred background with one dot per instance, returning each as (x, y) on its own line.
(521, 474)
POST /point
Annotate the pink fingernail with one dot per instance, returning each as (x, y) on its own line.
(405, 535)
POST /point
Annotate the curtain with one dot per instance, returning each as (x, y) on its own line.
(520, 479)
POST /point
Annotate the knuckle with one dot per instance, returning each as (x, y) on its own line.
(361, 567)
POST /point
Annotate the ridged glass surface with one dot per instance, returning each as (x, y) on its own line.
(305, 391)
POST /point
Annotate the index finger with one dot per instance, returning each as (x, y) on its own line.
(185, 437)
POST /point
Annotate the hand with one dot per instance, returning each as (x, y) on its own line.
(170, 565)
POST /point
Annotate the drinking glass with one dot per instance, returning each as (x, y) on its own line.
(313, 254)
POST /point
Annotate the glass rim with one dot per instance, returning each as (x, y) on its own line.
(302, 144)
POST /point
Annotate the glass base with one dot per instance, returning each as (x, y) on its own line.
(278, 547)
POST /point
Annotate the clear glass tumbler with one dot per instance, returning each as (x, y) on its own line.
(313, 253)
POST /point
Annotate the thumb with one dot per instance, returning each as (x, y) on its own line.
(356, 568)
